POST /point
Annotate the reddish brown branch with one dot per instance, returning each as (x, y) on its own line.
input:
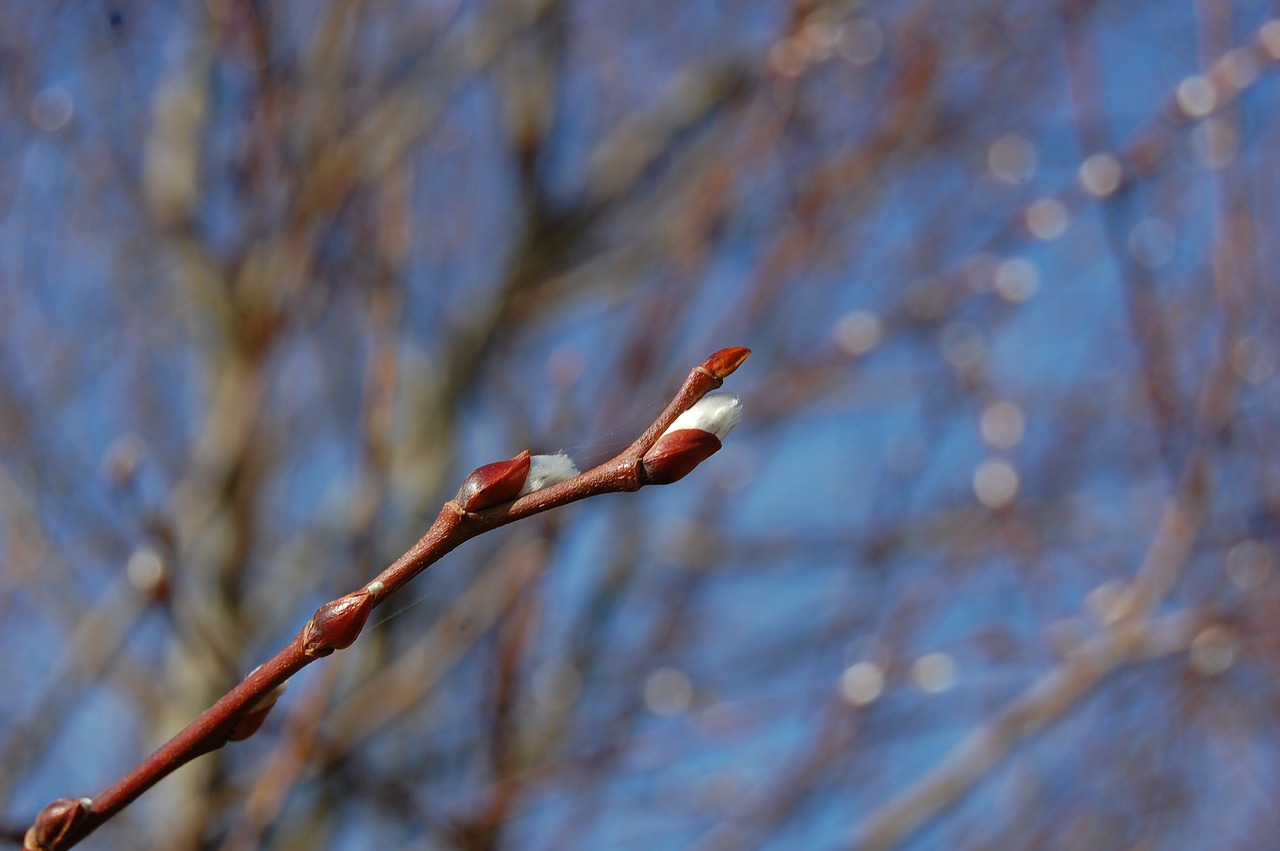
(482, 504)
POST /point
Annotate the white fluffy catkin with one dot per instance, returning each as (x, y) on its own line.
(717, 413)
(547, 470)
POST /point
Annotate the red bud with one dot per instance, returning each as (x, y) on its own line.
(249, 724)
(55, 823)
(724, 362)
(337, 624)
(257, 714)
(676, 453)
(494, 484)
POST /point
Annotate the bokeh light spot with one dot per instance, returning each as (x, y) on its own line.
(1196, 96)
(859, 332)
(1017, 279)
(145, 569)
(1240, 68)
(1214, 143)
(1249, 564)
(819, 37)
(1253, 358)
(1269, 35)
(934, 673)
(788, 58)
(1100, 174)
(1214, 650)
(1002, 425)
(1012, 159)
(668, 691)
(861, 683)
(962, 345)
(1047, 219)
(995, 483)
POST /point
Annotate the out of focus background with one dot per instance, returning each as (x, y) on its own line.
(990, 562)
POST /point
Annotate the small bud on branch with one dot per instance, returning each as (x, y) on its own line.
(337, 624)
(252, 720)
(494, 484)
(676, 454)
(692, 438)
(55, 823)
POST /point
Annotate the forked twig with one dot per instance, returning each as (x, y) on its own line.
(677, 441)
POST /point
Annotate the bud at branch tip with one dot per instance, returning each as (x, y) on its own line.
(724, 362)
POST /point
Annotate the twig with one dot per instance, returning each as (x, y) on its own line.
(486, 501)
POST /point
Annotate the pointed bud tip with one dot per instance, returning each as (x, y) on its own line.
(337, 624)
(494, 484)
(724, 362)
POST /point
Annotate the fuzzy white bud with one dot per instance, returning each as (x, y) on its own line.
(548, 470)
(715, 413)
